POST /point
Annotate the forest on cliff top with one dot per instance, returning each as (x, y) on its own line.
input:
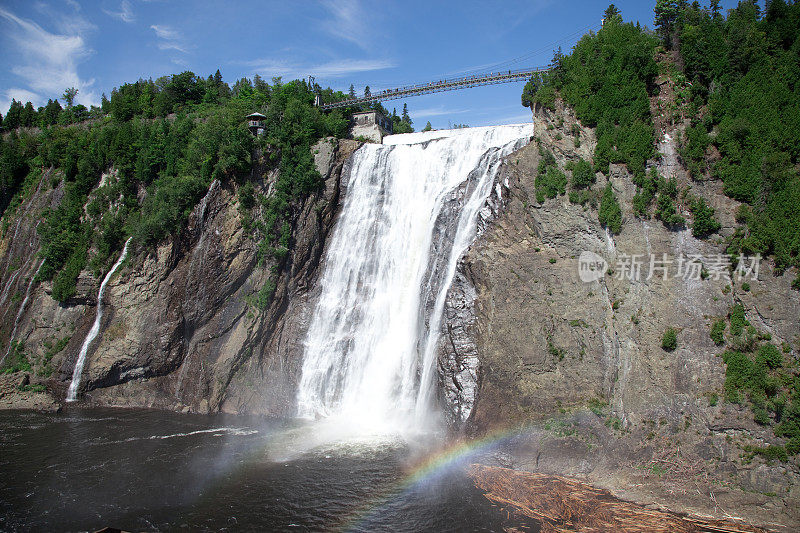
(137, 165)
(737, 81)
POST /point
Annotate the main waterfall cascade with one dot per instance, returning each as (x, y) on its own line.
(371, 346)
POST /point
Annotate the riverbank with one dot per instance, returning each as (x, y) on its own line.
(17, 392)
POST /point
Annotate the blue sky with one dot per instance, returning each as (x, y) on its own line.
(49, 45)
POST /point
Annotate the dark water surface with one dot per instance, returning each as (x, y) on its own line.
(150, 470)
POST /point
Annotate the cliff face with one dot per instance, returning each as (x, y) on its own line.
(178, 330)
(579, 367)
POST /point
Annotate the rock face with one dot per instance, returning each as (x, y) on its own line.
(529, 344)
(179, 331)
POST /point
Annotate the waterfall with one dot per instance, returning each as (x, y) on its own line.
(72, 394)
(201, 249)
(20, 311)
(410, 212)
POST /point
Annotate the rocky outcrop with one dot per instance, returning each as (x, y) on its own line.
(582, 362)
(180, 330)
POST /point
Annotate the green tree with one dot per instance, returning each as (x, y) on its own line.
(51, 112)
(539, 90)
(352, 91)
(704, 222)
(666, 15)
(612, 14)
(610, 213)
(69, 96)
(714, 6)
(13, 118)
(427, 127)
(28, 115)
(582, 174)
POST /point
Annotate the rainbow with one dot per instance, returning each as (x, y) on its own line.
(456, 454)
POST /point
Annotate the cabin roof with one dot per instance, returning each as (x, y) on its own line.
(256, 116)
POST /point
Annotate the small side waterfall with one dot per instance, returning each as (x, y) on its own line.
(409, 214)
(196, 265)
(72, 394)
(19, 313)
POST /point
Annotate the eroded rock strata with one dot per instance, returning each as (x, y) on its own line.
(578, 367)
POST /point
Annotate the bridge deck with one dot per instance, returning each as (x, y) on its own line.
(451, 84)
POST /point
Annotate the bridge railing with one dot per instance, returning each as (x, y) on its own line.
(449, 84)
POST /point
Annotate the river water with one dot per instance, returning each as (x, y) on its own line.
(150, 470)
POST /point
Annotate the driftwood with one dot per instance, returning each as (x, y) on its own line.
(560, 504)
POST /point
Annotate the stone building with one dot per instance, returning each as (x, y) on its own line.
(370, 124)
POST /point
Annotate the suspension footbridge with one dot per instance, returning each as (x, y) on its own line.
(450, 84)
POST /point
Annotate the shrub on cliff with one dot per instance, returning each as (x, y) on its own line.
(769, 356)
(669, 341)
(704, 222)
(610, 214)
(738, 321)
(550, 183)
(582, 175)
(718, 332)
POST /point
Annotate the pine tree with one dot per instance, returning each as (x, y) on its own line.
(427, 127)
(51, 112)
(367, 93)
(259, 84)
(352, 92)
(13, 118)
(28, 116)
(715, 8)
(405, 117)
(612, 14)
(666, 12)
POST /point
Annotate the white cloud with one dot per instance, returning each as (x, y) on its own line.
(20, 95)
(49, 61)
(268, 68)
(169, 38)
(166, 32)
(70, 22)
(125, 13)
(348, 21)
